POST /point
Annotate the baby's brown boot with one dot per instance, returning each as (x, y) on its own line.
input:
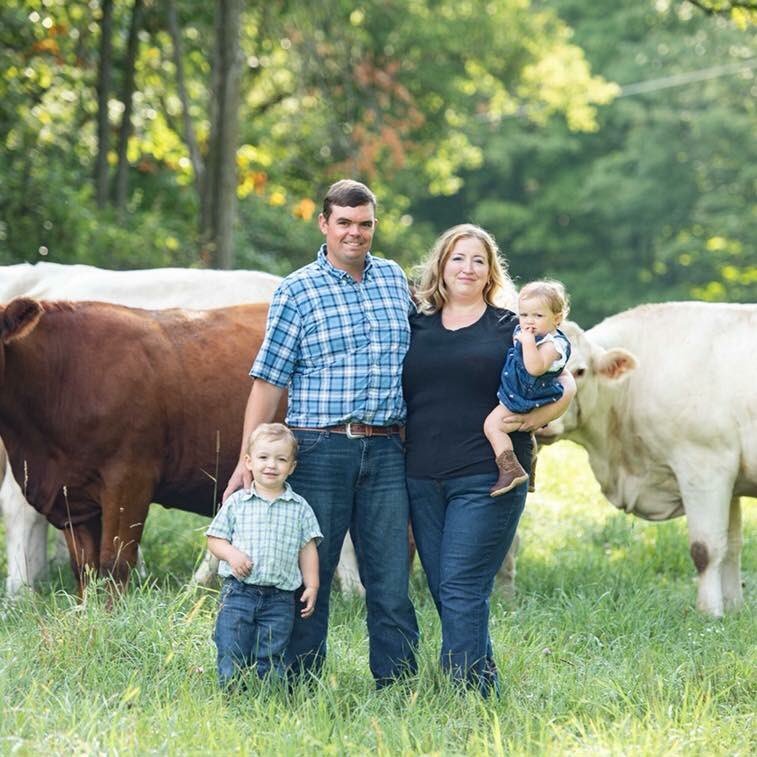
(511, 474)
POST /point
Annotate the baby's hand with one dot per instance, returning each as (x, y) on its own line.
(241, 565)
(525, 335)
(308, 600)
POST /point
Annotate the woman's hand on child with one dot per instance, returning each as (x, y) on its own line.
(516, 421)
(308, 600)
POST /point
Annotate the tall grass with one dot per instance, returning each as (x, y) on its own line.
(601, 652)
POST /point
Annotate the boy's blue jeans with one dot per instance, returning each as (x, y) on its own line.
(253, 628)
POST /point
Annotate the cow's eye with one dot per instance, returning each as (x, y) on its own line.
(579, 372)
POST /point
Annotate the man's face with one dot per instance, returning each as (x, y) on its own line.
(349, 233)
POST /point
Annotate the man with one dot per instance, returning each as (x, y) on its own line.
(336, 336)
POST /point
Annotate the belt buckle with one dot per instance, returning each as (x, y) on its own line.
(348, 431)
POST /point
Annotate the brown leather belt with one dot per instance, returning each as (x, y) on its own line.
(356, 430)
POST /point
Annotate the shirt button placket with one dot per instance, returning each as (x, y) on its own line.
(374, 353)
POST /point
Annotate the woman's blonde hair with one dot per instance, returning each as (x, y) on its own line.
(552, 292)
(430, 292)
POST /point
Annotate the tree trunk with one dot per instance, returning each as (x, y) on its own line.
(103, 90)
(127, 96)
(189, 134)
(220, 184)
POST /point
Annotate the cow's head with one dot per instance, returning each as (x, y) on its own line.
(596, 371)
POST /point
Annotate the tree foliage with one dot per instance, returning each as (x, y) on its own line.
(516, 114)
(659, 202)
(386, 91)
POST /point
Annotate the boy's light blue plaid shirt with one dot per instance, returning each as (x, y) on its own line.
(271, 534)
(338, 344)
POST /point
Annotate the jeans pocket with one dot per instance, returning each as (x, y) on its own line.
(282, 597)
(226, 588)
(307, 441)
(397, 442)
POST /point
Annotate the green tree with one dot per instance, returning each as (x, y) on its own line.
(394, 92)
(659, 202)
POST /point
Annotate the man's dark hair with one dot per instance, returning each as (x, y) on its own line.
(347, 193)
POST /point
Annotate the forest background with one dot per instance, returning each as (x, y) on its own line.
(607, 144)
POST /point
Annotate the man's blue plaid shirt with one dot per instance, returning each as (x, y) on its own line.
(338, 344)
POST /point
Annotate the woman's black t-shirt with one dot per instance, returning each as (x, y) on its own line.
(450, 381)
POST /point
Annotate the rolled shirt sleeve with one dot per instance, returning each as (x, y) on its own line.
(279, 352)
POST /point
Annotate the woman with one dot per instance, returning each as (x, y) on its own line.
(451, 376)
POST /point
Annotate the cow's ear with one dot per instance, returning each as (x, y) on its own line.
(19, 318)
(616, 363)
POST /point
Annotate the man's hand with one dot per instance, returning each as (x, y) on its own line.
(240, 478)
(308, 600)
(241, 565)
(261, 407)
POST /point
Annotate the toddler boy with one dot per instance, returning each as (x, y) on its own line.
(265, 539)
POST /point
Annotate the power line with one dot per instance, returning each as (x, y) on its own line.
(679, 80)
(654, 85)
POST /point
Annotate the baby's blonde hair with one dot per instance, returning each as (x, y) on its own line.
(552, 292)
(275, 432)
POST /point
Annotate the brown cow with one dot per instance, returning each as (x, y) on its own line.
(105, 409)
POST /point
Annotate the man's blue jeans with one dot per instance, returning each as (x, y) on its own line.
(462, 535)
(253, 627)
(358, 484)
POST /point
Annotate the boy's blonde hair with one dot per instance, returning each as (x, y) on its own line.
(552, 292)
(275, 432)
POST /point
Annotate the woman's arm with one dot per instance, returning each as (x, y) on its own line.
(543, 415)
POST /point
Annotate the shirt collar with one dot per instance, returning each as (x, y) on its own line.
(323, 262)
(287, 494)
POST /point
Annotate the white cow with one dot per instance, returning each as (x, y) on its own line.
(667, 409)
(26, 529)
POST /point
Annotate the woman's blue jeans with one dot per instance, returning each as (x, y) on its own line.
(462, 535)
(253, 628)
(358, 483)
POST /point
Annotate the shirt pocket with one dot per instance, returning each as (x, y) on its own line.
(328, 338)
(389, 319)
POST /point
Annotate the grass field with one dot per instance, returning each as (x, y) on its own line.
(601, 652)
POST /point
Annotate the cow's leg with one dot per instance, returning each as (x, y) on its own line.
(506, 573)
(25, 536)
(60, 550)
(122, 530)
(83, 542)
(141, 567)
(207, 572)
(347, 570)
(706, 501)
(731, 573)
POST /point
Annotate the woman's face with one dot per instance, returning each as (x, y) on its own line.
(466, 270)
